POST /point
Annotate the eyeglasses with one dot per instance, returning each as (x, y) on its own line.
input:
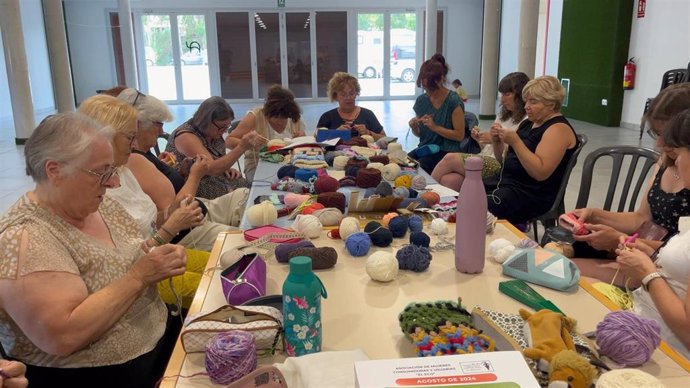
(220, 128)
(103, 177)
(139, 94)
(653, 134)
(348, 94)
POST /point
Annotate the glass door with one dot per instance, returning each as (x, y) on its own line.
(370, 53)
(268, 63)
(158, 52)
(234, 55)
(193, 64)
(403, 54)
(298, 33)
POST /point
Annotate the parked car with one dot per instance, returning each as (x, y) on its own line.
(404, 63)
(194, 57)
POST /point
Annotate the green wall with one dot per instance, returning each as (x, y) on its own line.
(595, 35)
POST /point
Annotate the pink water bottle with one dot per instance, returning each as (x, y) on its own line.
(470, 220)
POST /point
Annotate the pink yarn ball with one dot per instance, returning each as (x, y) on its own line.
(293, 200)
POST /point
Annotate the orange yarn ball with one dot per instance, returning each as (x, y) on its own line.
(431, 198)
(387, 218)
(312, 208)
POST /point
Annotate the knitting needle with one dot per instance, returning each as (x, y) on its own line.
(630, 240)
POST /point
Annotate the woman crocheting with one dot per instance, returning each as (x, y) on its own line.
(664, 274)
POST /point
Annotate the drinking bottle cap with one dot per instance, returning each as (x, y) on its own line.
(300, 265)
(473, 163)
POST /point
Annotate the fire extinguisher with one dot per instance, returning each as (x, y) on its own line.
(629, 74)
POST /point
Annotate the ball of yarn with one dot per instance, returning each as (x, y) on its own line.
(368, 177)
(382, 143)
(527, 243)
(312, 208)
(626, 378)
(432, 198)
(368, 138)
(416, 223)
(358, 244)
(403, 181)
(369, 192)
(230, 356)
(382, 266)
(627, 338)
(401, 192)
(565, 249)
(321, 258)
(287, 170)
(420, 239)
(383, 159)
(439, 226)
(392, 147)
(308, 225)
(390, 171)
(361, 163)
(377, 166)
(339, 162)
(305, 174)
(262, 214)
(380, 236)
(283, 250)
(348, 227)
(500, 249)
(388, 217)
(326, 184)
(336, 200)
(352, 170)
(329, 157)
(293, 200)
(413, 193)
(347, 181)
(414, 258)
(398, 226)
(418, 182)
(384, 189)
(330, 216)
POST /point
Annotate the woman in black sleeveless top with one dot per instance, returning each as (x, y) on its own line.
(537, 156)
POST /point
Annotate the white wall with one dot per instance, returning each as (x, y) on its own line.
(548, 37)
(39, 66)
(510, 27)
(659, 42)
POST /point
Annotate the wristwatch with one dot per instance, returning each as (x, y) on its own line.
(647, 279)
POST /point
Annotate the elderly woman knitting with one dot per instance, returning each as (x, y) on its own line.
(78, 298)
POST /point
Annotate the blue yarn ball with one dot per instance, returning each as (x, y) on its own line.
(287, 170)
(416, 223)
(413, 258)
(380, 236)
(304, 174)
(398, 226)
(413, 193)
(369, 192)
(329, 157)
(420, 239)
(358, 244)
(401, 192)
(384, 189)
(351, 170)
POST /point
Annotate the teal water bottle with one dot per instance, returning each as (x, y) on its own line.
(302, 292)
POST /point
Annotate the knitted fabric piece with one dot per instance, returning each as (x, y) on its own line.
(291, 185)
(430, 315)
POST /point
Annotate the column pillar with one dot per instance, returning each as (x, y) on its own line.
(529, 23)
(60, 68)
(430, 32)
(490, 44)
(127, 37)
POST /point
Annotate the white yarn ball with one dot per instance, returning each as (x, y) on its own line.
(394, 147)
(368, 138)
(439, 226)
(500, 249)
(308, 224)
(624, 378)
(382, 266)
(376, 165)
(262, 214)
(348, 226)
(339, 162)
(390, 171)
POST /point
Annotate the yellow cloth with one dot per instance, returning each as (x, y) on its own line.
(186, 284)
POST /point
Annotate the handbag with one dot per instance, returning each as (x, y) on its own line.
(244, 280)
(544, 267)
(264, 322)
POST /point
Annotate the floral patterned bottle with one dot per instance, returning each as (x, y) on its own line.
(302, 292)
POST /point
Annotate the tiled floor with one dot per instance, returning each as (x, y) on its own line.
(394, 116)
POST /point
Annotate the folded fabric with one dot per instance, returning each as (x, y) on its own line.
(544, 267)
(324, 369)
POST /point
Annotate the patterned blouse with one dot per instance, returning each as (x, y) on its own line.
(56, 246)
(665, 207)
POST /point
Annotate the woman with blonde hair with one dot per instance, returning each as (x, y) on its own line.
(344, 88)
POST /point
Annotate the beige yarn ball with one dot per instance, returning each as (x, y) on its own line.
(390, 171)
(368, 138)
(329, 216)
(382, 266)
(364, 151)
(439, 226)
(308, 224)
(339, 162)
(376, 165)
(624, 378)
(392, 147)
(565, 249)
(348, 226)
(262, 214)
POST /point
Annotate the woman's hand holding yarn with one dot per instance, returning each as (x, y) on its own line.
(160, 263)
(188, 215)
(634, 263)
(200, 166)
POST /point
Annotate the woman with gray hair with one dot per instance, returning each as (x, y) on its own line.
(70, 254)
(203, 135)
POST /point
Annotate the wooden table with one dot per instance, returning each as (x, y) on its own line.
(362, 313)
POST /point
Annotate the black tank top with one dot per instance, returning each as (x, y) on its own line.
(173, 176)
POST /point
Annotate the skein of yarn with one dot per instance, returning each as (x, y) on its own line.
(401, 192)
(368, 177)
(388, 217)
(418, 182)
(380, 236)
(358, 244)
(287, 170)
(309, 225)
(403, 181)
(340, 162)
(382, 266)
(262, 214)
(374, 165)
(398, 226)
(390, 171)
(416, 223)
(431, 198)
(384, 189)
(321, 258)
(626, 378)
(348, 227)
(282, 251)
(293, 200)
(383, 159)
(420, 239)
(439, 226)
(336, 200)
(414, 258)
(330, 216)
(305, 174)
(500, 249)
(392, 147)
(627, 338)
(230, 356)
(326, 184)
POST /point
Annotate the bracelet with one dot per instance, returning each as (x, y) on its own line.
(171, 234)
(648, 278)
(158, 239)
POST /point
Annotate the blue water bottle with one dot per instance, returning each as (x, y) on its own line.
(302, 292)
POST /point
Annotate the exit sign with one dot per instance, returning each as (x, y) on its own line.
(281, 3)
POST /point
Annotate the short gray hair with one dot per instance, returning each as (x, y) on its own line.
(150, 108)
(64, 137)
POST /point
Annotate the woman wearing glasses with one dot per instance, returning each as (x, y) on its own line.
(279, 118)
(344, 88)
(203, 135)
(78, 298)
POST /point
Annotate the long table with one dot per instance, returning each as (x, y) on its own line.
(362, 313)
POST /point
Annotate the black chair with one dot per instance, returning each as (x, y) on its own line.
(550, 218)
(670, 77)
(163, 136)
(638, 160)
